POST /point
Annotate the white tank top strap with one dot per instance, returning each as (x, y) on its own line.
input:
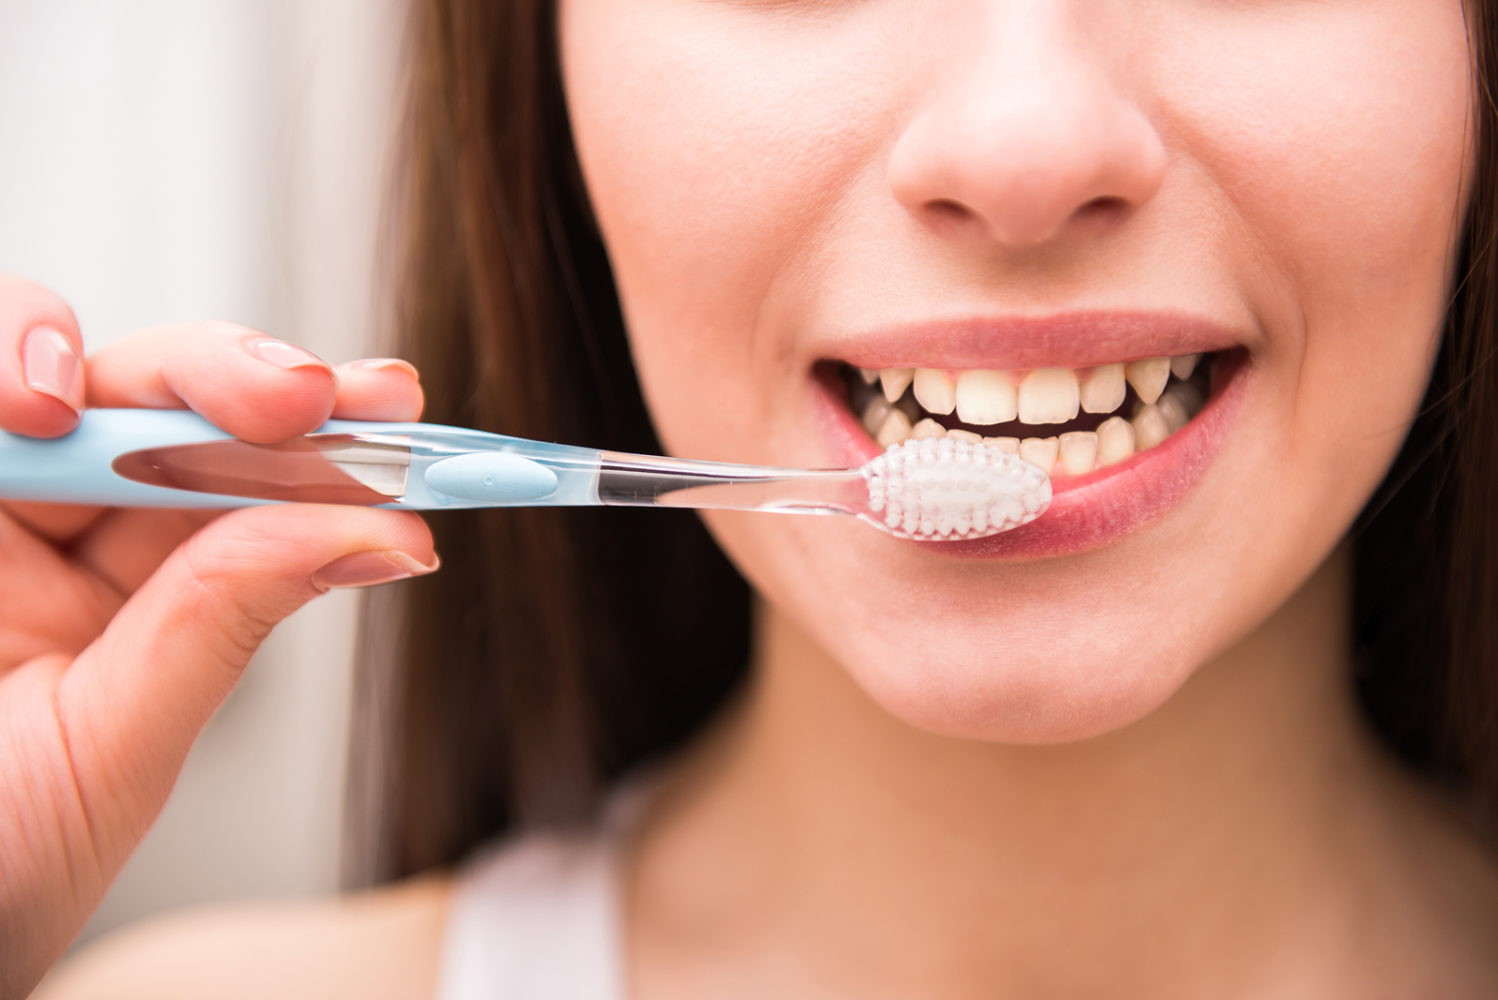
(538, 917)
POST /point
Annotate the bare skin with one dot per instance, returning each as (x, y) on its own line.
(1247, 839)
(378, 944)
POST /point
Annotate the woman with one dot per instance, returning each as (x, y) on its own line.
(1142, 749)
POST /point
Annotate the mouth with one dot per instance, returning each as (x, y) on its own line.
(1069, 422)
(1122, 440)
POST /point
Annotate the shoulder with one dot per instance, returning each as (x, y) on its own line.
(385, 942)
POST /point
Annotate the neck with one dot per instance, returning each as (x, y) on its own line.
(1193, 832)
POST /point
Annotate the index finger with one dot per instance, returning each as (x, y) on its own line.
(249, 384)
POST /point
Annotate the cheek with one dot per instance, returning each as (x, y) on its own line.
(711, 175)
(1340, 160)
(1339, 153)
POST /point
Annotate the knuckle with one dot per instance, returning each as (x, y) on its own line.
(228, 333)
(228, 330)
(200, 339)
(217, 575)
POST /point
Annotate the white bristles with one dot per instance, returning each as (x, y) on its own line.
(940, 488)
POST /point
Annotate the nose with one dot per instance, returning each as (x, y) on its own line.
(1028, 129)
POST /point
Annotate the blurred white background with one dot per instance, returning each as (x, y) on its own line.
(170, 160)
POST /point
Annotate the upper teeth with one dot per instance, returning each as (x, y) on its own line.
(934, 391)
(1103, 390)
(1148, 377)
(1048, 396)
(1039, 396)
(894, 381)
(985, 397)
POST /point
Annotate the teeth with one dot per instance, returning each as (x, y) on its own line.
(1190, 397)
(928, 428)
(896, 428)
(1150, 427)
(986, 397)
(1183, 366)
(1078, 452)
(933, 390)
(1040, 452)
(1115, 441)
(1009, 444)
(1048, 396)
(894, 381)
(1174, 411)
(1148, 377)
(1103, 391)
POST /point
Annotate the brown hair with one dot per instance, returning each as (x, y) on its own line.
(557, 648)
(1426, 546)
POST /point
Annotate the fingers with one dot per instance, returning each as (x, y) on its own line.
(137, 697)
(54, 522)
(41, 376)
(250, 385)
(124, 546)
(378, 389)
(48, 606)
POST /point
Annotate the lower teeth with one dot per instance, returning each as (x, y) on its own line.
(1074, 453)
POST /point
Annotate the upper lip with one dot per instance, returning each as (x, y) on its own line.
(1023, 342)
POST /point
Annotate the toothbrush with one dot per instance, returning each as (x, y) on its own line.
(930, 489)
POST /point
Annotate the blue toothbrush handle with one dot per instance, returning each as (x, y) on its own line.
(449, 467)
(77, 468)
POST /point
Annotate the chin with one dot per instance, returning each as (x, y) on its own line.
(1019, 654)
(996, 681)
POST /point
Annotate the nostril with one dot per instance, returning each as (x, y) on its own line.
(1020, 223)
(1104, 209)
(946, 215)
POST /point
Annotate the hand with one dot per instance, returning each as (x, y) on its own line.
(122, 630)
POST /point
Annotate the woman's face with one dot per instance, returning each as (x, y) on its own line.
(986, 189)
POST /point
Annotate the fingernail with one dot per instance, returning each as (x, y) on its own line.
(366, 569)
(50, 365)
(385, 364)
(284, 355)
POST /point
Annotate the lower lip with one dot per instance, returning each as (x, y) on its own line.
(1086, 512)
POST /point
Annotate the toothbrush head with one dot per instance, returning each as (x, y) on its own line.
(938, 489)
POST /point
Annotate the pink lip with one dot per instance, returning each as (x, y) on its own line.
(1089, 511)
(1069, 340)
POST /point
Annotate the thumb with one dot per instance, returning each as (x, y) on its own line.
(134, 700)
